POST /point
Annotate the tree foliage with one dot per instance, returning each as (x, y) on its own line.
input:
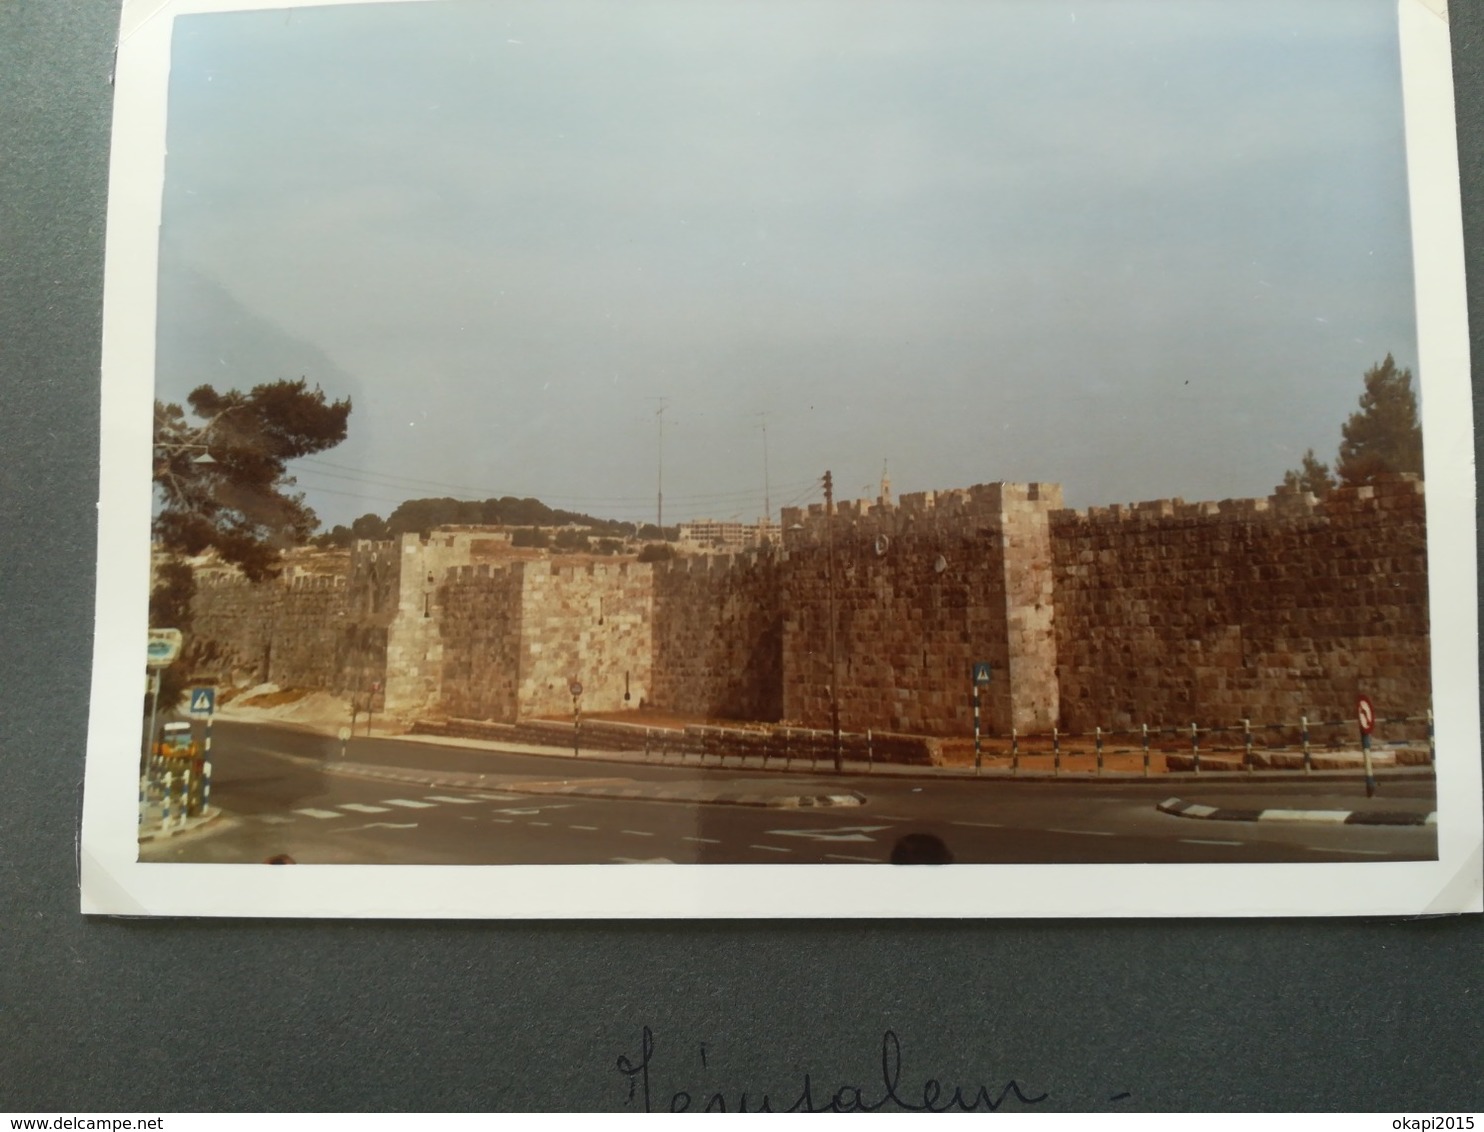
(222, 478)
(1385, 434)
(1313, 475)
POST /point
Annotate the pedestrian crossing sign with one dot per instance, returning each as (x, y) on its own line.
(981, 673)
(203, 701)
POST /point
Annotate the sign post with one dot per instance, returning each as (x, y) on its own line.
(161, 651)
(203, 702)
(980, 677)
(576, 689)
(1365, 715)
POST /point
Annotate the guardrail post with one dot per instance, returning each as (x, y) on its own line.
(1195, 746)
(1304, 735)
(1146, 750)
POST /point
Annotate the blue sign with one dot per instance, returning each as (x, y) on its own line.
(203, 701)
(981, 673)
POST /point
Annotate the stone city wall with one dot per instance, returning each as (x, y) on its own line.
(588, 622)
(1170, 613)
(924, 590)
(481, 609)
(718, 637)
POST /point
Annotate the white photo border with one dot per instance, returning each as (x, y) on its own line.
(114, 881)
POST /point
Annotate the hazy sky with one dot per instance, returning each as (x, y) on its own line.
(1140, 248)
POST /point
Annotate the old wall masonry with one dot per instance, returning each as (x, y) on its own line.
(1162, 613)
(1170, 613)
(923, 591)
(592, 623)
(718, 637)
(480, 611)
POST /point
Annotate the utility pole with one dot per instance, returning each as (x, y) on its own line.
(767, 501)
(659, 514)
(829, 537)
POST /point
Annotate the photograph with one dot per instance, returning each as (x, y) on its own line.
(804, 438)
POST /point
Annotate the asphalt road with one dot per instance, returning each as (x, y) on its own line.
(277, 797)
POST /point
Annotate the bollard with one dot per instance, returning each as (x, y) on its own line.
(205, 786)
(1014, 751)
(1247, 739)
(1098, 733)
(1055, 750)
(646, 744)
(185, 794)
(1431, 747)
(870, 751)
(143, 797)
(165, 802)
(1146, 750)
(1195, 746)
(1304, 735)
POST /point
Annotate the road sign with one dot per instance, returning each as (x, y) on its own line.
(1365, 713)
(164, 647)
(575, 688)
(203, 701)
(981, 673)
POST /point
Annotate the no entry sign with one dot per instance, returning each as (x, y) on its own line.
(1365, 714)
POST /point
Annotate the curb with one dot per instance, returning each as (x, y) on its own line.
(189, 826)
(1177, 807)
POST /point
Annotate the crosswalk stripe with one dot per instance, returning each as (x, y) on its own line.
(408, 803)
(771, 848)
(452, 800)
(363, 808)
(313, 813)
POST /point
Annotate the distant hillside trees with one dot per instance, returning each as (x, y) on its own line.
(422, 515)
(1383, 435)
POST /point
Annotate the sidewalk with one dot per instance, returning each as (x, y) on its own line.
(1076, 766)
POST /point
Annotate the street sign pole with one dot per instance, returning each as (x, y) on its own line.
(154, 703)
(976, 729)
(576, 689)
(979, 676)
(1365, 715)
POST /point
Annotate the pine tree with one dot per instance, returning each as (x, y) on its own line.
(1385, 434)
(1313, 475)
(222, 483)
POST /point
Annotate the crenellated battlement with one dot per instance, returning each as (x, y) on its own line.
(958, 511)
(1283, 505)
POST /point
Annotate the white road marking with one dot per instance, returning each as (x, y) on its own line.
(838, 833)
(1207, 841)
(773, 848)
(637, 832)
(642, 861)
(893, 817)
(525, 813)
(362, 808)
(1083, 832)
(274, 819)
(1365, 852)
(452, 800)
(313, 813)
(496, 797)
(848, 857)
(376, 825)
(589, 828)
(502, 821)
(538, 823)
(703, 840)
(408, 803)
(979, 824)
